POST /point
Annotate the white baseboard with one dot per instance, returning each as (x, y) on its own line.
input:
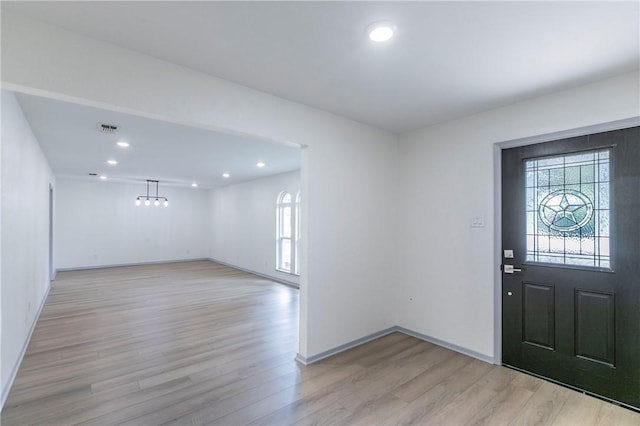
(349, 345)
(445, 344)
(269, 277)
(14, 371)
(120, 265)
(345, 347)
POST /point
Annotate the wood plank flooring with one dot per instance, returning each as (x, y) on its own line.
(200, 343)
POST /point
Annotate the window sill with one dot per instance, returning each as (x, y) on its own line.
(287, 272)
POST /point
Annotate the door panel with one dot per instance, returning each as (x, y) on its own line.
(538, 315)
(571, 214)
(595, 326)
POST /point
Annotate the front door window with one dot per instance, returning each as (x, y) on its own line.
(567, 209)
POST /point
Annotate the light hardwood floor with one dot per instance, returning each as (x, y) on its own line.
(200, 343)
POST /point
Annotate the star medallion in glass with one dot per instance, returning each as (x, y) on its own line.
(568, 209)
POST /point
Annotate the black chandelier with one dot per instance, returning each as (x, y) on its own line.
(148, 198)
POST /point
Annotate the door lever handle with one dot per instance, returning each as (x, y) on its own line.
(509, 269)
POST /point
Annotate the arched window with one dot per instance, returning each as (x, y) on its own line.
(287, 233)
(284, 233)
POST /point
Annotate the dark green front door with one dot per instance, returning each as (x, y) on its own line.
(571, 305)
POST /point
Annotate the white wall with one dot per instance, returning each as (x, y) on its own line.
(357, 212)
(446, 178)
(98, 224)
(25, 180)
(347, 254)
(243, 223)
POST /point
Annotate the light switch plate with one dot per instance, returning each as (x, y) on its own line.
(508, 254)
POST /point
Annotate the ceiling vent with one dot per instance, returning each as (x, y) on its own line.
(107, 128)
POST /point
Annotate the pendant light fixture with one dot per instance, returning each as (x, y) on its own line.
(147, 199)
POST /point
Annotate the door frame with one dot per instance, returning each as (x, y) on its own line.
(497, 207)
(52, 270)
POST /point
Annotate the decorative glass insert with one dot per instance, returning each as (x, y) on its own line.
(568, 209)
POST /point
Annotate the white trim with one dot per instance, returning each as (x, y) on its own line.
(497, 254)
(119, 265)
(283, 271)
(280, 238)
(497, 196)
(14, 371)
(570, 133)
(445, 344)
(350, 345)
(52, 267)
(269, 277)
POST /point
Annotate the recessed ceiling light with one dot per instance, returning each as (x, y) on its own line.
(103, 177)
(122, 144)
(195, 185)
(260, 164)
(112, 162)
(381, 31)
(226, 175)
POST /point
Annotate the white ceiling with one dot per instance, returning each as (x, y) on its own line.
(449, 59)
(174, 154)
